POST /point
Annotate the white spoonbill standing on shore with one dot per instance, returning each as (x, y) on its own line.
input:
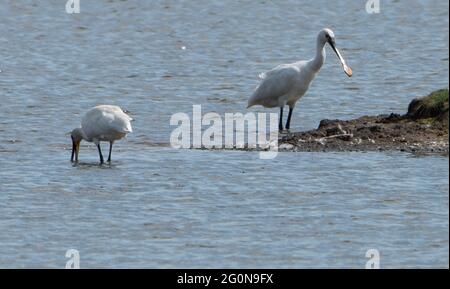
(101, 123)
(287, 83)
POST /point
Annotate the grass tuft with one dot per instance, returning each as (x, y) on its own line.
(434, 105)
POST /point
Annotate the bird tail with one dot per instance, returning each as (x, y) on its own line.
(128, 128)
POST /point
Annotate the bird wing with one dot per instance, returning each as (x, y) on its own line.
(275, 83)
(105, 120)
(122, 122)
(126, 112)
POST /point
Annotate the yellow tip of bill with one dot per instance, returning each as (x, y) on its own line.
(348, 71)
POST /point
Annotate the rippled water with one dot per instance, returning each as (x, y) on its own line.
(160, 207)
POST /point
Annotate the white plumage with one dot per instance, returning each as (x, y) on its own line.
(280, 85)
(287, 83)
(105, 123)
(101, 123)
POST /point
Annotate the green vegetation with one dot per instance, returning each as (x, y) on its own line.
(437, 97)
(434, 105)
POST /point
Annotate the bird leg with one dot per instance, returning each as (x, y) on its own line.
(100, 153)
(288, 122)
(280, 124)
(110, 150)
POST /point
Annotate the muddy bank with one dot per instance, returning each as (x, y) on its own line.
(423, 129)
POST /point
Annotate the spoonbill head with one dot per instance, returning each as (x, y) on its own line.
(77, 137)
(101, 123)
(326, 35)
(287, 83)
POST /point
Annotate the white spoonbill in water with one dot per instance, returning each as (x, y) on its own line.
(101, 123)
(287, 83)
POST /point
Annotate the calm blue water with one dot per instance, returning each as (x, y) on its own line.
(165, 208)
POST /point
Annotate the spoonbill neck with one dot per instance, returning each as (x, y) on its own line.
(319, 59)
(81, 134)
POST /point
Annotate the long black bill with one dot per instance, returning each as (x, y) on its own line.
(347, 69)
(73, 151)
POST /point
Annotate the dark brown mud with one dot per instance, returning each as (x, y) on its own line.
(423, 129)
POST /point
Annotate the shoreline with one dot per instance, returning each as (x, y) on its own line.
(423, 129)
